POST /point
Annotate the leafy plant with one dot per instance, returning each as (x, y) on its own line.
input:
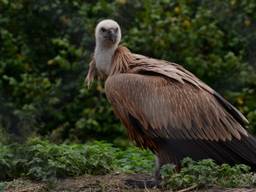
(38, 159)
(136, 160)
(2, 186)
(42, 160)
(6, 163)
(207, 173)
(100, 157)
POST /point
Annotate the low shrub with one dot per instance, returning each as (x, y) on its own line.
(206, 173)
(41, 160)
(135, 160)
(6, 163)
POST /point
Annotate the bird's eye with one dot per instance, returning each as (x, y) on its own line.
(103, 29)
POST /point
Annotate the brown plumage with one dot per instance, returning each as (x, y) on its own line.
(170, 111)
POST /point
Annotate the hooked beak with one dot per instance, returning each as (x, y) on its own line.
(111, 35)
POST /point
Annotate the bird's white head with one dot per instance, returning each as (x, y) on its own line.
(108, 33)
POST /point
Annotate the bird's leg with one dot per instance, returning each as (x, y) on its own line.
(157, 174)
(159, 163)
(148, 183)
(178, 168)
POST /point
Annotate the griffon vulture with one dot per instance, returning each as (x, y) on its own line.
(167, 109)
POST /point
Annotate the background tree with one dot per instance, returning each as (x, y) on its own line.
(46, 45)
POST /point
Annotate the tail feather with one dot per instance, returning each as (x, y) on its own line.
(232, 152)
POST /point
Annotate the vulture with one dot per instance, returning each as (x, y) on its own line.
(166, 108)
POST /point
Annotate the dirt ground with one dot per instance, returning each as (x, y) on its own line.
(106, 183)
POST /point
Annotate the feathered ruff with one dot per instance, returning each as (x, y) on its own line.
(91, 75)
(120, 64)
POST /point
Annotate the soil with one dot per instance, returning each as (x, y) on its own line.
(105, 183)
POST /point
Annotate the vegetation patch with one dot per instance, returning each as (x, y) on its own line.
(41, 160)
(44, 161)
(207, 174)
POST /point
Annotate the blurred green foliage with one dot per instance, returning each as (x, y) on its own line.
(45, 48)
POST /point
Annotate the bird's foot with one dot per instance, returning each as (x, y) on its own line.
(142, 183)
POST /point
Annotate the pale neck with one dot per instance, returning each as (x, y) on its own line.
(102, 48)
(103, 57)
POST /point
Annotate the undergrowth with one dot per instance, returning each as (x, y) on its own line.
(41, 160)
(206, 173)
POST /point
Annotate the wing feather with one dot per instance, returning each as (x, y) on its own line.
(171, 108)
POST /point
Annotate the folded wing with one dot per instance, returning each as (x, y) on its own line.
(173, 106)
